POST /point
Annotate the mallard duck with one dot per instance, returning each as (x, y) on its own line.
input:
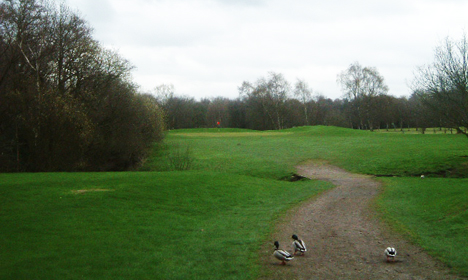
(390, 253)
(282, 255)
(299, 245)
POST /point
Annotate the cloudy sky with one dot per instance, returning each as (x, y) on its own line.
(207, 48)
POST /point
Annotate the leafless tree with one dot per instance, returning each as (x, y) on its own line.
(357, 82)
(271, 94)
(442, 85)
(360, 85)
(304, 93)
(164, 92)
(73, 49)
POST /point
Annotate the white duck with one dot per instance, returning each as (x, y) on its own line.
(282, 255)
(299, 245)
(390, 253)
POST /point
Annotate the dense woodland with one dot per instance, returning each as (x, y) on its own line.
(68, 104)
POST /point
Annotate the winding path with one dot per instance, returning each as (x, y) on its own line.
(345, 241)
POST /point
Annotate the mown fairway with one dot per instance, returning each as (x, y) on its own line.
(432, 212)
(274, 154)
(139, 225)
(209, 222)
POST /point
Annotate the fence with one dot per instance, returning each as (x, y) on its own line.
(431, 130)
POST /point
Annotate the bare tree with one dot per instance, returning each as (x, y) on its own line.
(357, 82)
(73, 49)
(443, 85)
(164, 92)
(271, 94)
(304, 93)
(360, 86)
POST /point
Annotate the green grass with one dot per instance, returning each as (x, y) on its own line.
(273, 154)
(141, 225)
(432, 212)
(208, 223)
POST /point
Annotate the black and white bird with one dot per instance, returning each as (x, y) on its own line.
(390, 253)
(282, 255)
(299, 245)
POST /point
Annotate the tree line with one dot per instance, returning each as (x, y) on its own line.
(272, 103)
(439, 99)
(67, 103)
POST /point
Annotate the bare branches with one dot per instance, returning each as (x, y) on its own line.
(361, 87)
(358, 82)
(304, 93)
(443, 85)
(271, 94)
(72, 103)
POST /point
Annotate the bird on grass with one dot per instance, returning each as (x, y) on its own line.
(390, 253)
(282, 255)
(299, 245)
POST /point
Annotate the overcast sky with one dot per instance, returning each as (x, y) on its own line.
(207, 48)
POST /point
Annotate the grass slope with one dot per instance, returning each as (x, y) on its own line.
(208, 223)
(273, 154)
(432, 212)
(173, 225)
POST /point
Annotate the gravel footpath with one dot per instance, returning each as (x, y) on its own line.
(344, 239)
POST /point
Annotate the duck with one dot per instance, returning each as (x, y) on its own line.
(282, 255)
(299, 245)
(390, 253)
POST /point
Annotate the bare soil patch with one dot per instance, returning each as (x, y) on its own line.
(91, 190)
(344, 239)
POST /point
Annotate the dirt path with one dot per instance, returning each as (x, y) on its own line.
(344, 240)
